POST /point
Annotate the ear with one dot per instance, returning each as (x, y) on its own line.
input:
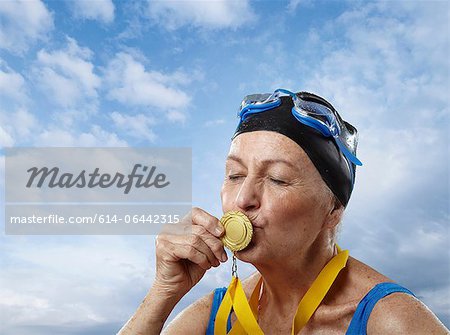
(334, 217)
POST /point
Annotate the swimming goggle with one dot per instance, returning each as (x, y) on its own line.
(312, 111)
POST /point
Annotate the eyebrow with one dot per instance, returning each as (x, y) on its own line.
(264, 162)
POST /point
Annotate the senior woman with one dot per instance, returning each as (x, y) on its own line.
(290, 170)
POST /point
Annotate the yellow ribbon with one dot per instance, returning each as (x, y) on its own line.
(246, 311)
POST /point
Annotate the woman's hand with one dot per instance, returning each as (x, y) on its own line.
(182, 260)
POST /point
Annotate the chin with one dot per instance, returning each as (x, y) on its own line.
(249, 254)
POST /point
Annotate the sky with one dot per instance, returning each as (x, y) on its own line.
(172, 74)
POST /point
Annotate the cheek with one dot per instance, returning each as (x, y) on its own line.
(293, 211)
(285, 212)
(227, 197)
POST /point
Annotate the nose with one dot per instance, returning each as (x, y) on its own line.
(248, 197)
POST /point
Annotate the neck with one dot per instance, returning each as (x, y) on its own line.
(285, 283)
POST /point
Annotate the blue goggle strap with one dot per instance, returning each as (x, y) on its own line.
(260, 106)
(257, 108)
(312, 122)
(347, 153)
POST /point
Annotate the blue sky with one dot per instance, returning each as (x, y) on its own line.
(108, 73)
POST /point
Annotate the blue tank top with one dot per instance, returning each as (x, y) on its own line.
(358, 325)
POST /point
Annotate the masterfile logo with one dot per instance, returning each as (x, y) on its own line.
(96, 190)
(98, 174)
(54, 178)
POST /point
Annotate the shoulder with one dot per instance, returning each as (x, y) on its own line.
(353, 283)
(401, 313)
(397, 313)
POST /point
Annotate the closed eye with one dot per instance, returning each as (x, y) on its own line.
(278, 181)
(234, 177)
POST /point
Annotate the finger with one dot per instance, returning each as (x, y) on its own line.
(198, 243)
(212, 241)
(192, 254)
(194, 241)
(204, 219)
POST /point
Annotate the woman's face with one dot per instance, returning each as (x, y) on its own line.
(272, 180)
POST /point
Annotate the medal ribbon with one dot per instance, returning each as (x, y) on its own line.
(246, 311)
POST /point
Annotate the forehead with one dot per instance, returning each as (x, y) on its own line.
(267, 146)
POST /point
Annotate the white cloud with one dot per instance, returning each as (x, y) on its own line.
(71, 282)
(67, 76)
(214, 14)
(294, 4)
(130, 83)
(22, 127)
(6, 139)
(95, 136)
(439, 296)
(12, 85)
(176, 116)
(22, 24)
(10, 299)
(368, 76)
(17, 126)
(213, 123)
(406, 157)
(102, 10)
(137, 126)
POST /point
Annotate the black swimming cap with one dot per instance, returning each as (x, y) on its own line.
(322, 151)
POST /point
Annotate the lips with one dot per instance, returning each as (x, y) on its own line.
(257, 224)
(254, 220)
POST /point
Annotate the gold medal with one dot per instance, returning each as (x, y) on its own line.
(238, 230)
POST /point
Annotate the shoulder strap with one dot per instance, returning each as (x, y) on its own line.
(358, 325)
(219, 293)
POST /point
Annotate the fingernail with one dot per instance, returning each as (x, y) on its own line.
(224, 257)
